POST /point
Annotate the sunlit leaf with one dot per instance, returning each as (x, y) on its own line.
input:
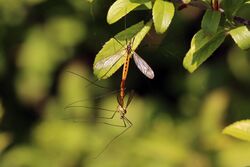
(240, 130)
(186, 1)
(145, 6)
(113, 47)
(121, 7)
(202, 46)
(241, 36)
(141, 34)
(163, 12)
(210, 21)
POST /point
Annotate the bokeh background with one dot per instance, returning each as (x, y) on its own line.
(177, 117)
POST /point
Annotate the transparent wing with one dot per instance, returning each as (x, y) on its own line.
(143, 66)
(109, 61)
(130, 98)
(119, 100)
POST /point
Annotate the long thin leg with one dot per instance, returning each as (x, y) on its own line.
(129, 122)
(98, 108)
(112, 116)
(88, 80)
(88, 99)
(100, 122)
(119, 126)
(117, 136)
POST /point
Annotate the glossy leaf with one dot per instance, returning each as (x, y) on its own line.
(241, 37)
(202, 46)
(240, 130)
(163, 12)
(113, 47)
(122, 7)
(210, 21)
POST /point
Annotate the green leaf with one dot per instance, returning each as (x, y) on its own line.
(112, 47)
(206, 3)
(145, 6)
(186, 1)
(210, 21)
(231, 7)
(202, 46)
(241, 36)
(163, 13)
(240, 130)
(120, 8)
(141, 34)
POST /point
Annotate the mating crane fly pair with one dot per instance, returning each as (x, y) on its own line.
(143, 67)
(109, 62)
(140, 63)
(128, 52)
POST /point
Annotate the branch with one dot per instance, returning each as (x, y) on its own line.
(241, 20)
(203, 6)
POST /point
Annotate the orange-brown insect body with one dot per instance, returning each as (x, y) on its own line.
(125, 72)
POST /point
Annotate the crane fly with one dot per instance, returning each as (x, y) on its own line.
(109, 62)
(128, 52)
(121, 109)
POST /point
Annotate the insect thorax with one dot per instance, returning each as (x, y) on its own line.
(129, 48)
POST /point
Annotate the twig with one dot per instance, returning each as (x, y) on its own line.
(203, 6)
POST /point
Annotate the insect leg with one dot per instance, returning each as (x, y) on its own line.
(117, 136)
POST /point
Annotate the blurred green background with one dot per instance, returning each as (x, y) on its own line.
(178, 117)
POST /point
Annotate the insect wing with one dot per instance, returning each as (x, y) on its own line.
(143, 66)
(109, 61)
(119, 100)
(130, 98)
